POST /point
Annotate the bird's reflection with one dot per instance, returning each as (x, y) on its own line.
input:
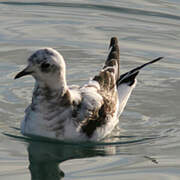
(45, 158)
(45, 155)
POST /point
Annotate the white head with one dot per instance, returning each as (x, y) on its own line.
(48, 68)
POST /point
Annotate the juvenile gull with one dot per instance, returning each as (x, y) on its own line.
(78, 113)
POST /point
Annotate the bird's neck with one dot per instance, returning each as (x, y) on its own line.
(50, 94)
(53, 85)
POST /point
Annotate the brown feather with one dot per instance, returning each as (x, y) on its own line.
(99, 117)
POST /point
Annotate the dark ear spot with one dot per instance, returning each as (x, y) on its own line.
(45, 67)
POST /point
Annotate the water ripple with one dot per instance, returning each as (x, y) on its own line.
(147, 143)
(98, 7)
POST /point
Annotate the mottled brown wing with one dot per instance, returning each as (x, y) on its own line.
(113, 58)
(108, 91)
(107, 80)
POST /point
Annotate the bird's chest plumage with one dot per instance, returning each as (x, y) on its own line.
(46, 118)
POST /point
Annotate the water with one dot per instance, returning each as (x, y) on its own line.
(148, 145)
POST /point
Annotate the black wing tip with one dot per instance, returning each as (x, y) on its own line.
(134, 72)
(129, 80)
(146, 64)
(114, 52)
(113, 55)
(157, 59)
(113, 42)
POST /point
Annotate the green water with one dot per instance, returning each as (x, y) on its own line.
(147, 145)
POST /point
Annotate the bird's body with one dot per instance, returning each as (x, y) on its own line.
(78, 113)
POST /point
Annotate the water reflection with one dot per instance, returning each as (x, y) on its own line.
(45, 158)
(46, 155)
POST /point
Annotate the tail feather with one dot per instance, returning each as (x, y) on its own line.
(131, 75)
(113, 56)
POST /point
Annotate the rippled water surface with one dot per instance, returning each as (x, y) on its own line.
(149, 143)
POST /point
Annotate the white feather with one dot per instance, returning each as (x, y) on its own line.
(124, 92)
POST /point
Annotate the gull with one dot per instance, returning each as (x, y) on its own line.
(78, 113)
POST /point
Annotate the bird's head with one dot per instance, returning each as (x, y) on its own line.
(47, 66)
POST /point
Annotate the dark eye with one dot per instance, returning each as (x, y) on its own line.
(45, 65)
